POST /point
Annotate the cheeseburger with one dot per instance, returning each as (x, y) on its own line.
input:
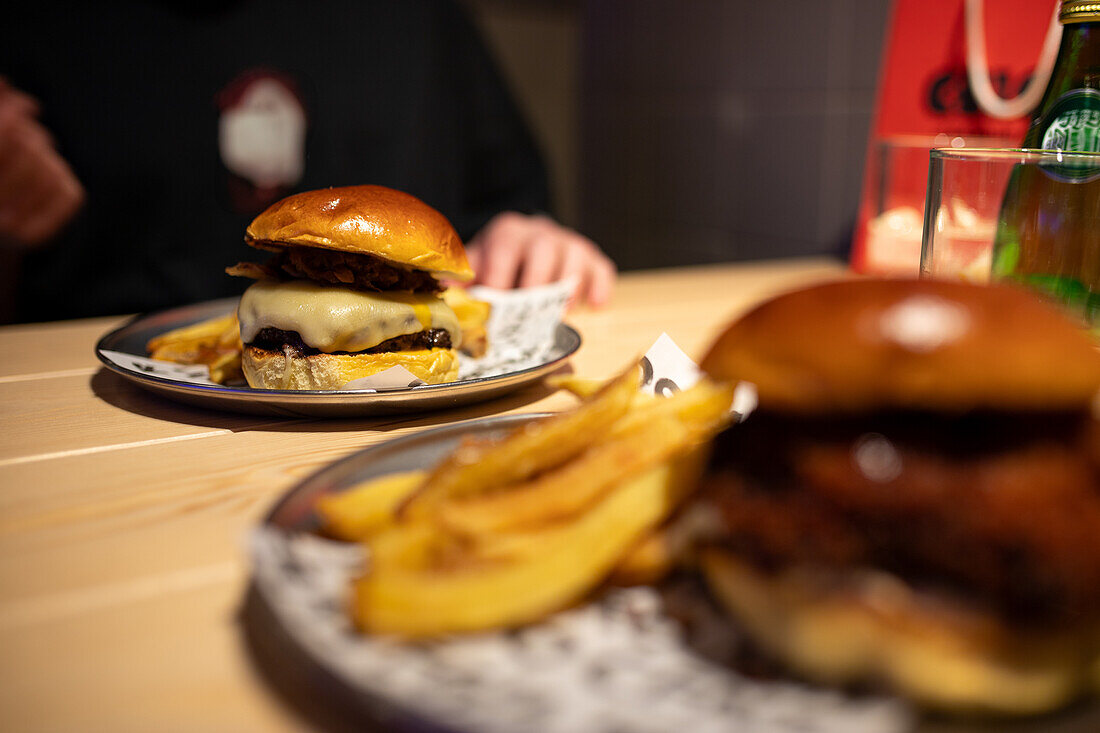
(916, 499)
(351, 290)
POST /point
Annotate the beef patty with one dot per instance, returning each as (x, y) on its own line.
(275, 339)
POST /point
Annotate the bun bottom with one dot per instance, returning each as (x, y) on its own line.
(264, 369)
(879, 629)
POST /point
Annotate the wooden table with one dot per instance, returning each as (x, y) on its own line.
(123, 515)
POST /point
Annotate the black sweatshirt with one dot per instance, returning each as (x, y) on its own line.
(155, 105)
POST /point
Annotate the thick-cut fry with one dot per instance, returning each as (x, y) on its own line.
(412, 546)
(481, 467)
(473, 316)
(224, 366)
(361, 511)
(647, 562)
(525, 543)
(702, 406)
(698, 402)
(571, 488)
(220, 331)
(503, 532)
(215, 342)
(582, 387)
(570, 560)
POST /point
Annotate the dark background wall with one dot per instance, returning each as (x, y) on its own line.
(694, 131)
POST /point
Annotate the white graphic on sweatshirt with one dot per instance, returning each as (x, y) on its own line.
(262, 137)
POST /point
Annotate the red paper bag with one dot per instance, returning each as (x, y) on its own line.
(925, 100)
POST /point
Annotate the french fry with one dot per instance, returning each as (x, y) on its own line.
(704, 407)
(501, 533)
(582, 387)
(531, 542)
(224, 367)
(472, 315)
(363, 510)
(188, 339)
(646, 562)
(413, 546)
(696, 406)
(483, 466)
(567, 490)
(215, 342)
(402, 599)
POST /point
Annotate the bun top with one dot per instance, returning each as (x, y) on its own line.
(864, 344)
(375, 220)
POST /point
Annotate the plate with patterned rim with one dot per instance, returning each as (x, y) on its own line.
(621, 662)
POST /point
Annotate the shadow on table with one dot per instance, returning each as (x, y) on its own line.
(121, 393)
(288, 674)
(309, 691)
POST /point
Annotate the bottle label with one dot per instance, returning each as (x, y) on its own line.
(1073, 125)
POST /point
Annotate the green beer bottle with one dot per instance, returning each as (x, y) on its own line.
(1048, 232)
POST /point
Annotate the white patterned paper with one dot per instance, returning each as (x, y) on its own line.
(521, 328)
(189, 373)
(666, 369)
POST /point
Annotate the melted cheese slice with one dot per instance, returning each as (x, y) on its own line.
(340, 319)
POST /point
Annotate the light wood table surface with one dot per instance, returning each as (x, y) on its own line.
(123, 515)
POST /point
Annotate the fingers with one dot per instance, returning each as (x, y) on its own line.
(601, 283)
(17, 101)
(525, 251)
(38, 192)
(543, 261)
(474, 256)
(57, 197)
(19, 174)
(502, 242)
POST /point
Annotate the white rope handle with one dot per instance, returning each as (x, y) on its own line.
(977, 67)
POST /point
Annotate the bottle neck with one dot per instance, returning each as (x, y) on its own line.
(1078, 54)
(1074, 85)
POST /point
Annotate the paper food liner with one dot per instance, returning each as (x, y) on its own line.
(618, 663)
(521, 332)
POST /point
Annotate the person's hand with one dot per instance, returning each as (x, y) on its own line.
(515, 250)
(39, 193)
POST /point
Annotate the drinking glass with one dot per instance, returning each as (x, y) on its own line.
(897, 179)
(1030, 217)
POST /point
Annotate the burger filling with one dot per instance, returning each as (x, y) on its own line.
(275, 339)
(311, 318)
(350, 269)
(998, 507)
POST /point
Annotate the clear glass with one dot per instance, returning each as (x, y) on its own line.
(897, 177)
(1025, 216)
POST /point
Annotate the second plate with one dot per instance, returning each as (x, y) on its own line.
(131, 338)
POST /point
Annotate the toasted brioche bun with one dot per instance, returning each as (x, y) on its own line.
(857, 344)
(874, 627)
(264, 369)
(374, 220)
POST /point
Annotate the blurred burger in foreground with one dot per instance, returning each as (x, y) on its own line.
(916, 499)
(352, 290)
